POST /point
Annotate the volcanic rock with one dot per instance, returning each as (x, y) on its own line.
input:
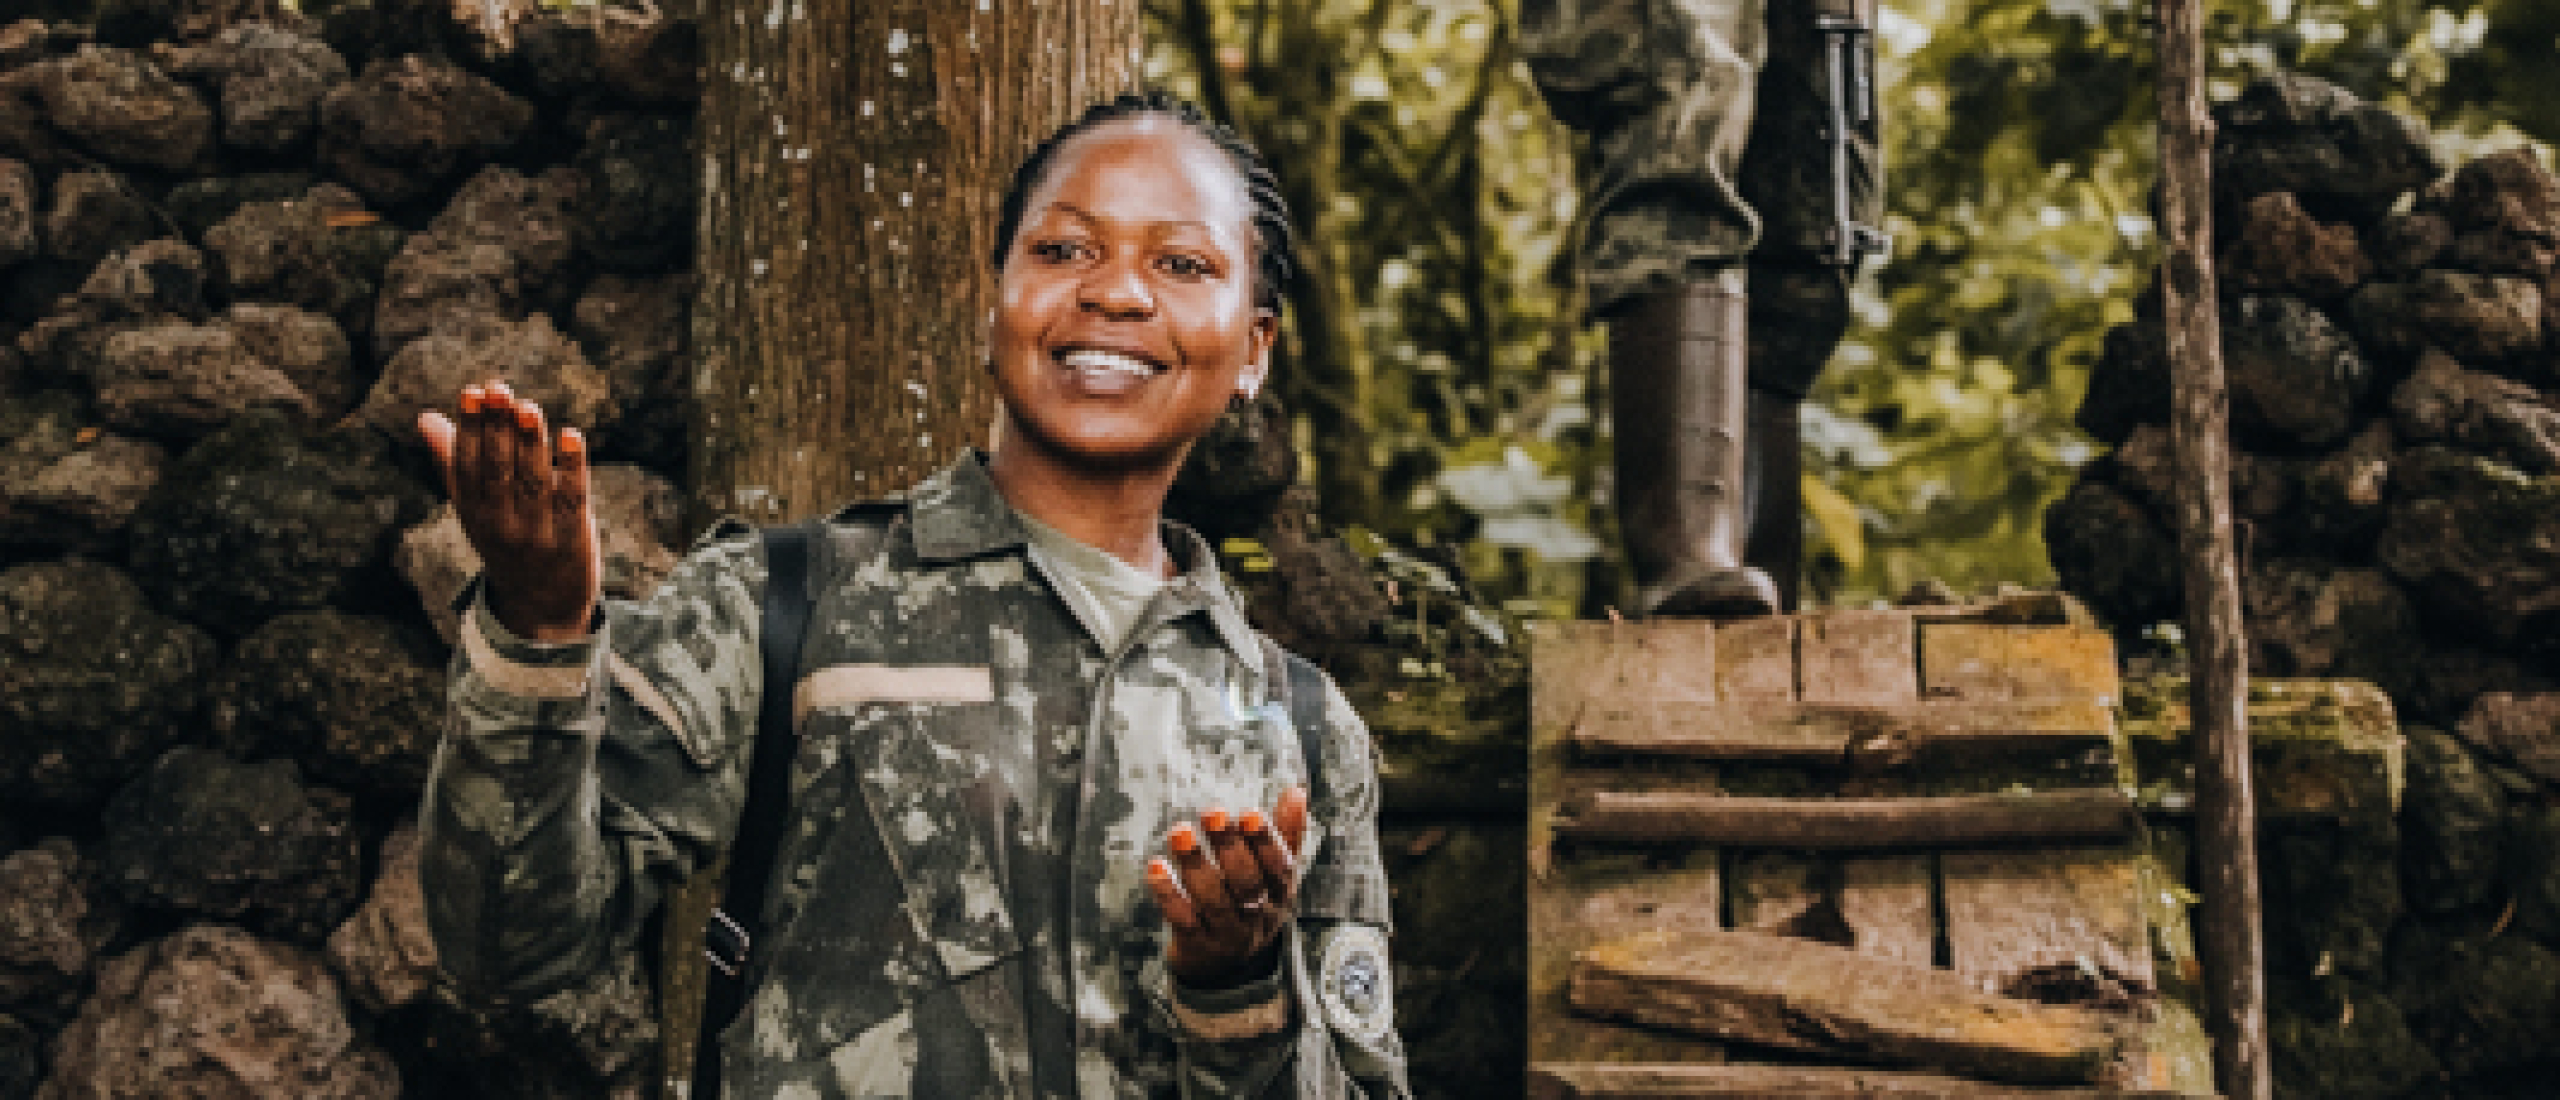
(2294, 374)
(261, 518)
(2453, 826)
(2476, 540)
(200, 204)
(248, 843)
(2344, 159)
(269, 82)
(2281, 250)
(214, 1012)
(2477, 411)
(306, 347)
(2406, 243)
(502, 247)
(2110, 552)
(535, 359)
(2521, 728)
(638, 330)
(636, 202)
(120, 106)
(143, 22)
(2483, 320)
(320, 252)
(53, 922)
(410, 126)
(95, 214)
(352, 697)
(92, 683)
(18, 213)
(179, 381)
(2129, 385)
(2312, 618)
(82, 498)
(385, 952)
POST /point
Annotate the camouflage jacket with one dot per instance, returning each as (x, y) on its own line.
(929, 932)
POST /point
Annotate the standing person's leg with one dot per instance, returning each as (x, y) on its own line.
(1800, 305)
(1665, 89)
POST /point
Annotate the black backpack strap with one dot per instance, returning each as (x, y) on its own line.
(729, 937)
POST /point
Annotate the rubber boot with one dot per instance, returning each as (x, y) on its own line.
(1773, 485)
(1681, 404)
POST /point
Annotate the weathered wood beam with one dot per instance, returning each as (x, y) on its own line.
(1813, 997)
(1847, 823)
(2228, 928)
(1681, 1082)
(1833, 732)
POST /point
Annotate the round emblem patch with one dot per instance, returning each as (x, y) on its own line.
(1353, 980)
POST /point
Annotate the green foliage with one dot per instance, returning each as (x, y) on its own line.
(1437, 360)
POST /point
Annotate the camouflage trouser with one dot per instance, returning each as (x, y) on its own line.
(1708, 120)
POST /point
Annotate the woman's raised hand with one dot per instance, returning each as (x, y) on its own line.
(522, 499)
(1228, 890)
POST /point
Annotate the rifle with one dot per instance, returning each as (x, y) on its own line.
(1848, 60)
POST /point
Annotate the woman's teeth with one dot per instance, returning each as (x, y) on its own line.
(1105, 362)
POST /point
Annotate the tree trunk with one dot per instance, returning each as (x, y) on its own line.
(2229, 938)
(854, 155)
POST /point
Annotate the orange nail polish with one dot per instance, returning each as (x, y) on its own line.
(527, 418)
(470, 401)
(1215, 819)
(1159, 870)
(1185, 839)
(572, 443)
(1251, 822)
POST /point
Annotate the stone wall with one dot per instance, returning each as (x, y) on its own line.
(239, 249)
(2392, 335)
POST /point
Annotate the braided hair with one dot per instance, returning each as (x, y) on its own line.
(1275, 244)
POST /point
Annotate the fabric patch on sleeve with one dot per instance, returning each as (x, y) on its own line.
(1353, 981)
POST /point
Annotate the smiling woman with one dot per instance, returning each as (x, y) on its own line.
(1065, 825)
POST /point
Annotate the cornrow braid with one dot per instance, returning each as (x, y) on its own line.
(1275, 244)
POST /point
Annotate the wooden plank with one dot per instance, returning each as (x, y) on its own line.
(1588, 1081)
(2049, 918)
(1830, 731)
(1786, 893)
(1987, 662)
(1859, 657)
(1573, 899)
(1646, 817)
(1866, 664)
(1886, 905)
(1758, 659)
(1592, 901)
(1825, 1000)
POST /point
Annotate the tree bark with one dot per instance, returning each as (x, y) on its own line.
(2229, 937)
(854, 157)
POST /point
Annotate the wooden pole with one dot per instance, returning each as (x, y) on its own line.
(2229, 936)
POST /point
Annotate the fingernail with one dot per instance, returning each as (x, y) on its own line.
(470, 399)
(528, 417)
(1160, 870)
(572, 442)
(1215, 819)
(1184, 838)
(1251, 822)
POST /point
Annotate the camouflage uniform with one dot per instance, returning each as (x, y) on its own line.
(959, 907)
(1707, 121)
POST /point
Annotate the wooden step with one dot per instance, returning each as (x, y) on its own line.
(1841, 733)
(1819, 999)
(1653, 817)
(1597, 1081)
